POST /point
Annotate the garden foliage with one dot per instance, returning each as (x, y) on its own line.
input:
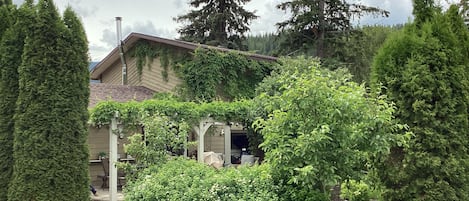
(424, 71)
(163, 137)
(184, 179)
(160, 175)
(321, 128)
(353, 190)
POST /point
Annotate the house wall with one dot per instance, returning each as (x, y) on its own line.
(113, 75)
(151, 78)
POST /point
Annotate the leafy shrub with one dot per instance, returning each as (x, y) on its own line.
(319, 128)
(183, 179)
(358, 191)
(293, 192)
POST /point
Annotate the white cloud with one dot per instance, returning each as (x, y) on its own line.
(109, 36)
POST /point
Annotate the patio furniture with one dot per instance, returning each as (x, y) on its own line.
(105, 175)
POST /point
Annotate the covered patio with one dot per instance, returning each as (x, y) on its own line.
(203, 117)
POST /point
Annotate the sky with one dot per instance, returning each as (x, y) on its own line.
(155, 17)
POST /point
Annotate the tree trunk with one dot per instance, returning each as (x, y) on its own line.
(321, 31)
(335, 193)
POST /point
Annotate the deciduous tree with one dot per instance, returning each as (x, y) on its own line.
(321, 128)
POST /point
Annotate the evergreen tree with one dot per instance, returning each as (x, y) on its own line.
(5, 2)
(7, 16)
(423, 70)
(217, 22)
(356, 51)
(11, 49)
(314, 22)
(50, 152)
(10, 58)
(266, 44)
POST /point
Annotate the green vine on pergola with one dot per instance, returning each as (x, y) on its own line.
(132, 113)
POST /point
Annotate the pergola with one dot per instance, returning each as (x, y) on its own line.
(204, 115)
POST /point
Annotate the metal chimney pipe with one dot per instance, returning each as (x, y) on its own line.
(119, 30)
(121, 49)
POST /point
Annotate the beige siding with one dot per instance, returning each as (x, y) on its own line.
(133, 78)
(153, 78)
(150, 78)
(113, 75)
(215, 142)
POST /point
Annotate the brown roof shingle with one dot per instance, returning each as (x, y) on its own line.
(120, 93)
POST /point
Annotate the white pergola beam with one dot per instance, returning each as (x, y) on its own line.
(227, 131)
(204, 125)
(113, 159)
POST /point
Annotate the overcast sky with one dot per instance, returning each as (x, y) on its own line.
(155, 17)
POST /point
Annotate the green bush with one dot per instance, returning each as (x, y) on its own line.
(358, 191)
(423, 69)
(321, 128)
(183, 179)
(294, 192)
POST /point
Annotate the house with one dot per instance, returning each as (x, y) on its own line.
(109, 70)
(131, 83)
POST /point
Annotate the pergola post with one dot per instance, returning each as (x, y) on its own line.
(113, 158)
(227, 131)
(201, 130)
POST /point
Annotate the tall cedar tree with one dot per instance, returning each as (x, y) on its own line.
(50, 151)
(5, 2)
(424, 70)
(11, 44)
(314, 22)
(217, 22)
(7, 15)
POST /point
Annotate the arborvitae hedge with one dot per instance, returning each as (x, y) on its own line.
(11, 49)
(50, 150)
(7, 16)
(424, 71)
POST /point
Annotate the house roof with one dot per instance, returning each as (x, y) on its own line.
(120, 93)
(130, 41)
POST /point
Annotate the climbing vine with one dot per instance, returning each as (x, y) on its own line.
(145, 52)
(215, 75)
(133, 113)
(207, 74)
